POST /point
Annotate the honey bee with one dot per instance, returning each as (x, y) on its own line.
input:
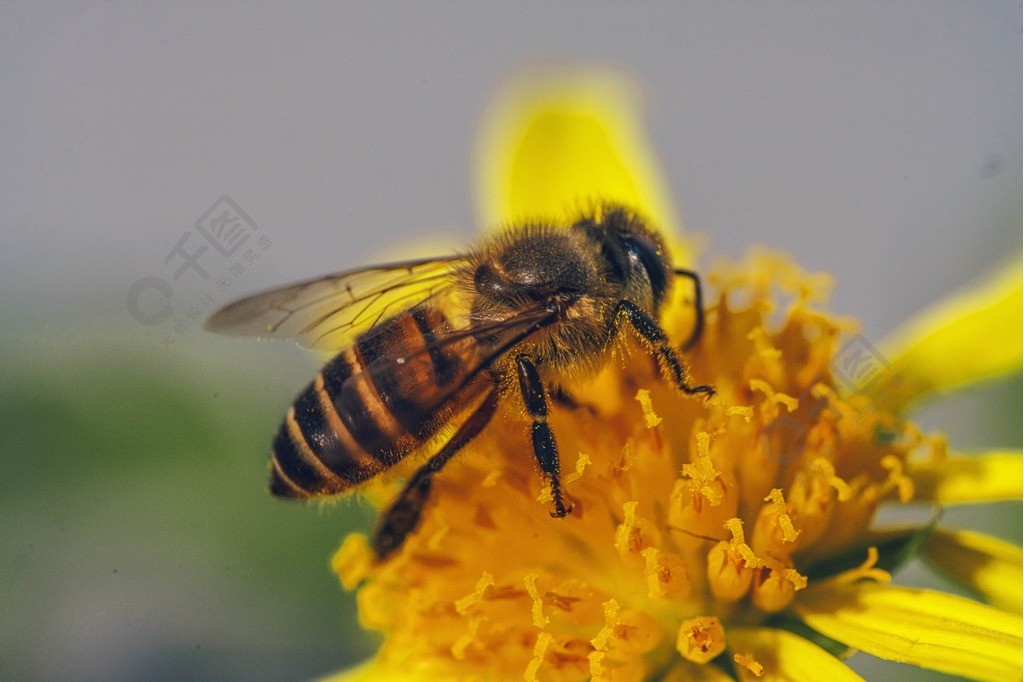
(437, 342)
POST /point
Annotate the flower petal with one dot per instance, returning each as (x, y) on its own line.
(924, 628)
(960, 479)
(988, 565)
(554, 141)
(786, 656)
(960, 341)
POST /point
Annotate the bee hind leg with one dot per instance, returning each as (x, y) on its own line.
(545, 449)
(403, 516)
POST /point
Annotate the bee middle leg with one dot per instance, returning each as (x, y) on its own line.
(403, 515)
(651, 332)
(545, 449)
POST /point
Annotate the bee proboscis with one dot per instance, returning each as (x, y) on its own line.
(427, 343)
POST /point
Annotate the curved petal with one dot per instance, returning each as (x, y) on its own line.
(988, 565)
(968, 338)
(556, 140)
(920, 627)
(786, 656)
(961, 479)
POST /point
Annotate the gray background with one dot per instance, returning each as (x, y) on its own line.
(877, 141)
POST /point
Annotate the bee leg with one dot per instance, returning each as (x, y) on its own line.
(698, 304)
(653, 334)
(544, 446)
(403, 515)
(565, 399)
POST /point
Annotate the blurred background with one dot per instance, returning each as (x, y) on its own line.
(878, 141)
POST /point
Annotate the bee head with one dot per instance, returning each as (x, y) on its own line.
(635, 255)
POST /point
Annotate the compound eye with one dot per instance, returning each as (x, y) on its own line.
(648, 255)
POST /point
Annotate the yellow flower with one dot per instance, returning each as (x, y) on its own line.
(713, 539)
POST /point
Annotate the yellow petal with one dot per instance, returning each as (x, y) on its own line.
(920, 627)
(556, 140)
(989, 566)
(787, 656)
(960, 479)
(970, 337)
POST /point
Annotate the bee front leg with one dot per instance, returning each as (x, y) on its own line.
(403, 516)
(545, 449)
(651, 332)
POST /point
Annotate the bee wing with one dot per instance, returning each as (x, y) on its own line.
(326, 313)
(508, 332)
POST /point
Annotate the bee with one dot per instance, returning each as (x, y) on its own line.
(439, 342)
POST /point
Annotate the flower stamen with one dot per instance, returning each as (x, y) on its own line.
(701, 639)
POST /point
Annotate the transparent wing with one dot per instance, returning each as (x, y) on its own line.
(326, 313)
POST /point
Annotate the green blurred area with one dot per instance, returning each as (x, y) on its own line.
(140, 541)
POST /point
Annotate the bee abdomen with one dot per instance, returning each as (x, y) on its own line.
(350, 423)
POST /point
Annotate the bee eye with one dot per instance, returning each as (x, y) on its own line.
(648, 254)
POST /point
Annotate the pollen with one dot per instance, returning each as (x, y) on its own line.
(750, 663)
(651, 420)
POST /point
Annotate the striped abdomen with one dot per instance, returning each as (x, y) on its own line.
(373, 404)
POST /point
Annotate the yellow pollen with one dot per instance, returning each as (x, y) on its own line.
(701, 639)
(744, 411)
(739, 545)
(866, 571)
(703, 473)
(463, 642)
(650, 418)
(486, 580)
(581, 463)
(539, 649)
(897, 479)
(828, 471)
(629, 538)
(774, 398)
(600, 641)
(789, 533)
(539, 619)
(750, 663)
